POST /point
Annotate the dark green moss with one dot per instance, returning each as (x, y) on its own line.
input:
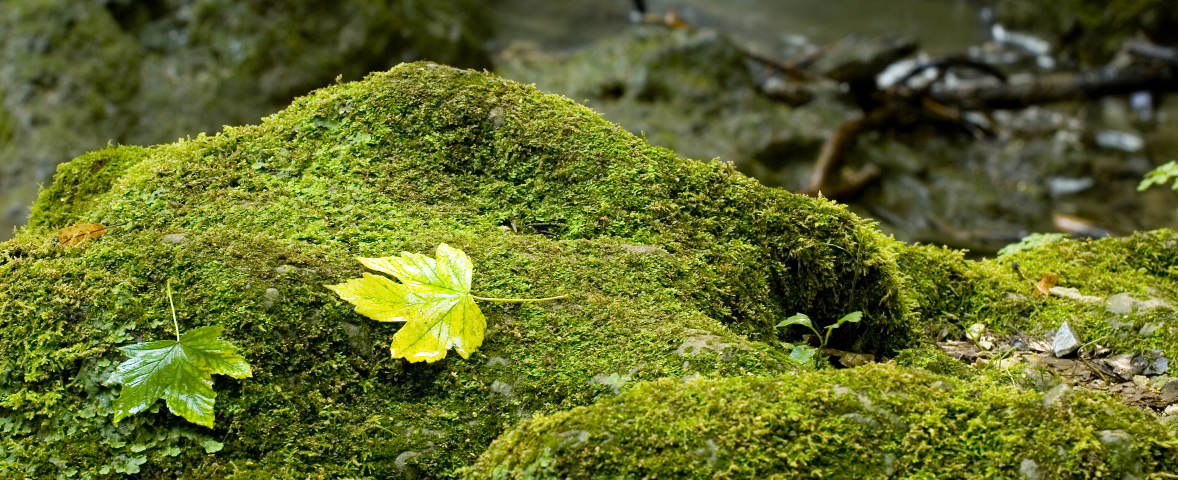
(867, 423)
(670, 264)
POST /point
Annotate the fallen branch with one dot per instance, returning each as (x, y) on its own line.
(1060, 87)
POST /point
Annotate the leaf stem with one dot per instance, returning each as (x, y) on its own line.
(519, 300)
(175, 323)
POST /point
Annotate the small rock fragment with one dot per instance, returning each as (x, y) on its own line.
(1056, 394)
(175, 238)
(1149, 329)
(269, 297)
(1125, 304)
(1030, 470)
(1125, 365)
(1121, 304)
(1119, 444)
(1159, 366)
(643, 249)
(1074, 294)
(501, 388)
(1170, 392)
(1065, 342)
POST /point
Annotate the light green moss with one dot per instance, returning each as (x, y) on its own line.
(951, 292)
(872, 422)
(672, 265)
(1143, 265)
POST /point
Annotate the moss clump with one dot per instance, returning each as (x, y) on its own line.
(672, 265)
(1142, 266)
(76, 75)
(871, 422)
(1120, 292)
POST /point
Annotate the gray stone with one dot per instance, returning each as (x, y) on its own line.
(270, 296)
(1125, 365)
(1066, 342)
(1159, 366)
(1119, 445)
(613, 381)
(643, 249)
(175, 238)
(1075, 294)
(1056, 395)
(1030, 470)
(501, 388)
(403, 459)
(1125, 304)
(1170, 392)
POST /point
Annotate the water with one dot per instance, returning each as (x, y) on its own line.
(939, 25)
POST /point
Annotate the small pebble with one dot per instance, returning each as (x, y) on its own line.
(1065, 342)
(175, 238)
(270, 296)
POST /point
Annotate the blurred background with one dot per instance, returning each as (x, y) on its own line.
(964, 123)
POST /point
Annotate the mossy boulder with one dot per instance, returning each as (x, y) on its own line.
(1118, 292)
(77, 75)
(674, 268)
(871, 422)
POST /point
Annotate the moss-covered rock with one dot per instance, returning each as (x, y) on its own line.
(866, 423)
(675, 268)
(75, 75)
(1118, 292)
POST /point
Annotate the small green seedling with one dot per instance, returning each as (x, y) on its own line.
(179, 371)
(805, 354)
(433, 299)
(1167, 173)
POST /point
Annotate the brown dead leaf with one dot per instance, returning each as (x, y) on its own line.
(75, 235)
(1043, 288)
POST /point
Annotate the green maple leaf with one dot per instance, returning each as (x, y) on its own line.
(433, 299)
(179, 371)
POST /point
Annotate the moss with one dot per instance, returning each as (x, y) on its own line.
(934, 360)
(935, 282)
(77, 182)
(79, 75)
(673, 266)
(1141, 265)
(951, 291)
(879, 421)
